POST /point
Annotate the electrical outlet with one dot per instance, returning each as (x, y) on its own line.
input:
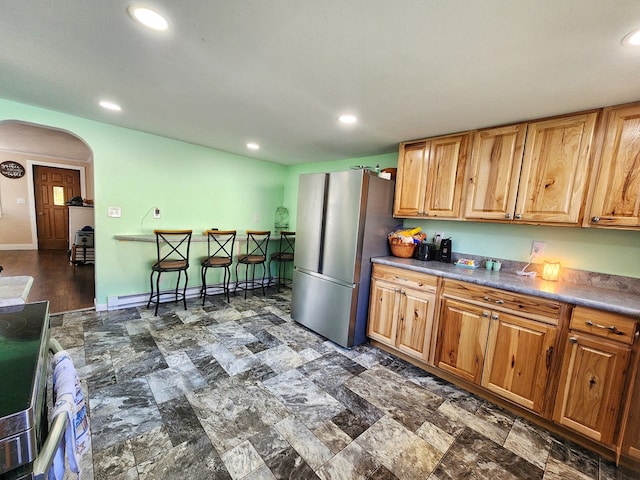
(115, 212)
(537, 247)
(256, 218)
(156, 212)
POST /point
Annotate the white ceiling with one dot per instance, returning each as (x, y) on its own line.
(279, 72)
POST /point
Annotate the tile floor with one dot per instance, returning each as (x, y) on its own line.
(239, 391)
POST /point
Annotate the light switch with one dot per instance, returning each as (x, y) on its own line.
(114, 212)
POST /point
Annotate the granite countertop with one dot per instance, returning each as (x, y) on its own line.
(615, 301)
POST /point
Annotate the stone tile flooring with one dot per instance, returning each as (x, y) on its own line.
(239, 391)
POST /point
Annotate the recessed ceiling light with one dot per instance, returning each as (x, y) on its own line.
(110, 105)
(348, 119)
(147, 17)
(253, 146)
(632, 39)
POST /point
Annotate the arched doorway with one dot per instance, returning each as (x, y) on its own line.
(41, 148)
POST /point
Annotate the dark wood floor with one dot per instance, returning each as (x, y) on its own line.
(54, 278)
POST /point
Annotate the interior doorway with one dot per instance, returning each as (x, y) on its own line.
(52, 157)
(53, 187)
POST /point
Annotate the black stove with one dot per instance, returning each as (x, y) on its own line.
(24, 361)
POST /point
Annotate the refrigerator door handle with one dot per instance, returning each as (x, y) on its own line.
(324, 277)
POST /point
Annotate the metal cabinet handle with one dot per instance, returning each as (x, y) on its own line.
(507, 216)
(595, 219)
(611, 328)
(518, 216)
(573, 339)
(485, 314)
(494, 316)
(486, 299)
(499, 302)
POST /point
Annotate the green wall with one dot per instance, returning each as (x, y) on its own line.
(194, 187)
(198, 188)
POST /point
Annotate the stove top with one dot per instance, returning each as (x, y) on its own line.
(24, 336)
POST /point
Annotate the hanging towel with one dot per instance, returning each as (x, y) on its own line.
(70, 402)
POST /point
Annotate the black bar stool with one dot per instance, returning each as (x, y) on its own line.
(283, 256)
(176, 260)
(219, 255)
(256, 254)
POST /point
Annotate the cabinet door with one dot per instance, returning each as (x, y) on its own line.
(411, 180)
(591, 383)
(519, 359)
(447, 162)
(493, 172)
(555, 169)
(631, 441)
(415, 323)
(383, 311)
(462, 339)
(616, 198)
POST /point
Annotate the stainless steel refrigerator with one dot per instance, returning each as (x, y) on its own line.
(342, 221)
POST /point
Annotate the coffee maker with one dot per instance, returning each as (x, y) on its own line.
(444, 253)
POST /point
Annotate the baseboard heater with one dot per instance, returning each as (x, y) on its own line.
(139, 299)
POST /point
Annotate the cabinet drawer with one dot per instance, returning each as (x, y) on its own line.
(406, 278)
(604, 324)
(537, 308)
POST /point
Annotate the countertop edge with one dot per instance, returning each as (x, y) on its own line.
(587, 296)
(14, 290)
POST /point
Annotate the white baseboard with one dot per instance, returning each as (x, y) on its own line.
(18, 246)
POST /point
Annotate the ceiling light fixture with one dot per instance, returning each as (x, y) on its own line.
(253, 146)
(147, 17)
(632, 39)
(348, 119)
(110, 105)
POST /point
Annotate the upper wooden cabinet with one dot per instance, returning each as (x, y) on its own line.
(430, 177)
(616, 197)
(555, 169)
(531, 173)
(493, 173)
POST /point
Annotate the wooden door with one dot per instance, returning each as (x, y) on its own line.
(591, 383)
(53, 187)
(519, 358)
(493, 172)
(555, 169)
(415, 323)
(616, 198)
(411, 181)
(462, 339)
(383, 312)
(447, 162)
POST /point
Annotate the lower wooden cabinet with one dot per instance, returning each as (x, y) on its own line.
(401, 310)
(519, 358)
(631, 438)
(591, 382)
(462, 339)
(581, 373)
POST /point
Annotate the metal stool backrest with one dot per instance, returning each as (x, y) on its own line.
(287, 243)
(178, 242)
(257, 244)
(220, 243)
